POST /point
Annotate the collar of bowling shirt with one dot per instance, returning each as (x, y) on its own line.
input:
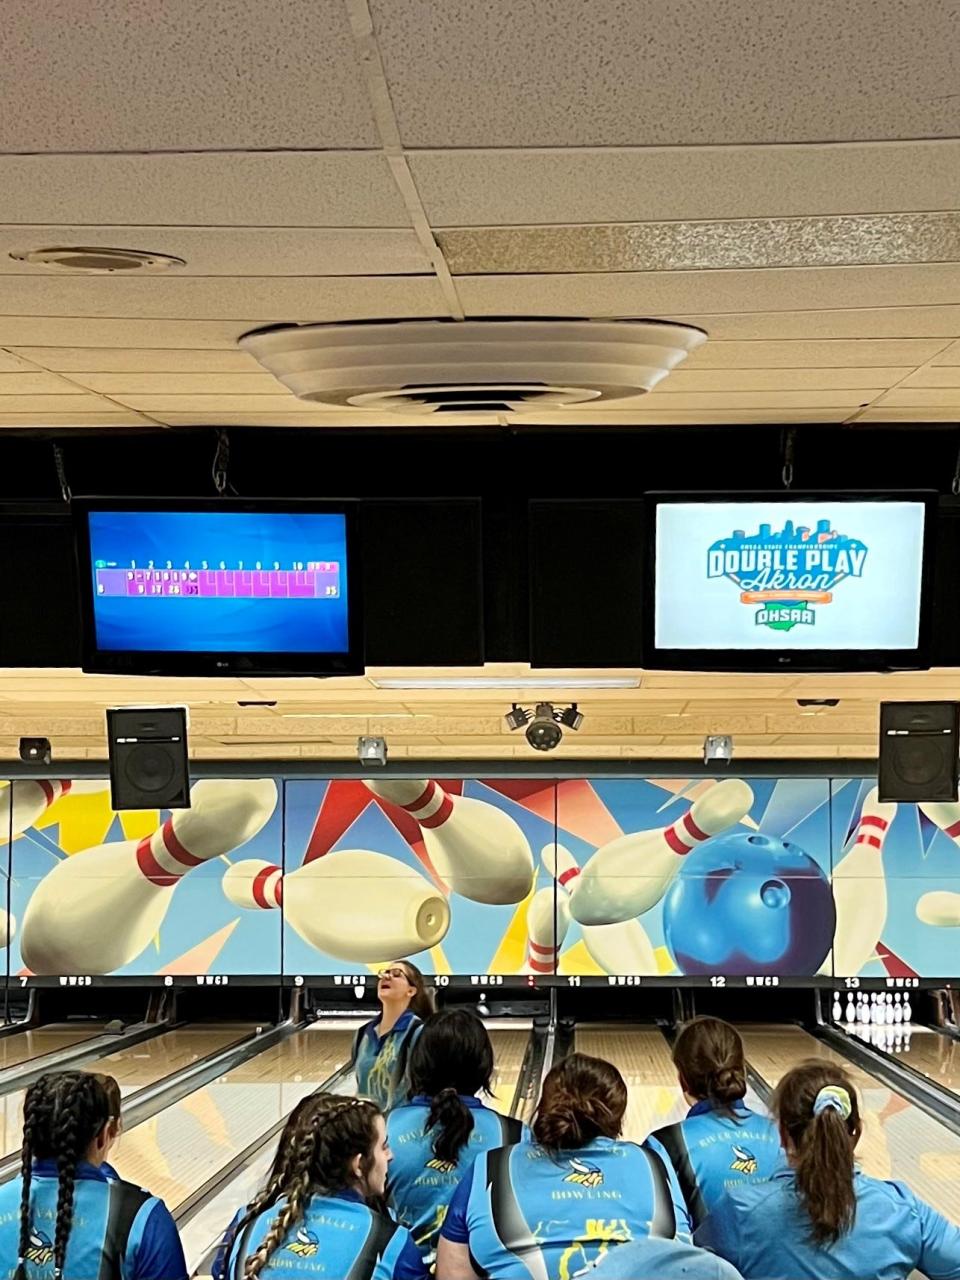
(421, 1100)
(48, 1169)
(739, 1108)
(401, 1024)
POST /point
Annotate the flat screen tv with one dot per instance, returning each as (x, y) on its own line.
(801, 581)
(219, 587)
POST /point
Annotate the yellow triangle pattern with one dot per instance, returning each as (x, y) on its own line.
(85, 819)
(512, 951)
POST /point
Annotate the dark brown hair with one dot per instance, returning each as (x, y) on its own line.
(322, 1136)
(62, 1114)
(583, 1098)
(112, 1091)
(452, 1059)
(421, 1002)
(708, 1054)
(824, 1143)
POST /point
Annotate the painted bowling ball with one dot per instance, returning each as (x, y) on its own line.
(749, 904)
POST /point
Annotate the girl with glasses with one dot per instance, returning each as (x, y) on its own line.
(381, 1051)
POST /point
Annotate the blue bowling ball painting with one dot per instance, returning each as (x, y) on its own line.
(749, 904)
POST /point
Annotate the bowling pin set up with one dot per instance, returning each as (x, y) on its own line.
(873, 1008)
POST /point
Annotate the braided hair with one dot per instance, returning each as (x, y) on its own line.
(62, 1115)
(324, 1133)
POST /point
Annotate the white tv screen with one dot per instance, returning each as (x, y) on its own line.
(788, 575)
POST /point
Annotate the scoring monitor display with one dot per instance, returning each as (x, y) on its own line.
(806, 575)
(219, 581)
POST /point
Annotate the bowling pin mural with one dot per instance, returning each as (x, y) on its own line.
(352, 904)
(8, 927)
(29, 798)
(543, 943)
(860, 889)
(620, 947)
(631, 874)
(940, 908)
(101, 908)
(477, 850)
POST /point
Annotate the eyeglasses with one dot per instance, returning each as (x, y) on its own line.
(392, 973)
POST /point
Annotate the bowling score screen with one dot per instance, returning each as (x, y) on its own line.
(798, 575)
(209, 582)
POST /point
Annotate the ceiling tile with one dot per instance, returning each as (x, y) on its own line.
(113, 384)
(751, 243)
(629, 72)
(672, 417)
(677, 292)
(503, 188)
(211, 403)
(945, 375)
(232, 251)
(73, 360)
(923, 397)
(11, 363)
(106, 418)
(274, 299)
(801, 354)
(873, 377)
(950, 356)
(912, 414)
(25, 384)
(886, 320)
(129, 75)
(115, 331)
(55, 404)
(763, 399)
(258, 189)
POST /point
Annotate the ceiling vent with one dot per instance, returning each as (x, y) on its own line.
(450, 366)
(98, 258)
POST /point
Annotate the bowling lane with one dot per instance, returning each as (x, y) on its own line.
(510, 1041)
(899, 1140)
(933, 1054)
(133, 1068)
(175, 1152)
(642, 1056)
(18, 1049)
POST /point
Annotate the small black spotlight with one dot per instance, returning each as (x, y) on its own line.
(570, 717)
(36, 750)
(543, 732)
(517, 717)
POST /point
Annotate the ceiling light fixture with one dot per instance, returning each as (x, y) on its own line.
(86, 258)
(544, 726)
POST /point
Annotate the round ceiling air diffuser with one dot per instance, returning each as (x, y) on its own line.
(451, 366)
(97, 258)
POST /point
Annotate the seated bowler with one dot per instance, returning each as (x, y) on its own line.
(436, 1136)
(721, 1143)
(820, 1218)
(577, 1192)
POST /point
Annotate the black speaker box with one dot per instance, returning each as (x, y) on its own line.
(918, 751)
(149, 767)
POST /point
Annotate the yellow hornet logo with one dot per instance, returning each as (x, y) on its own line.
(441, 1166)
(305, 1244)
(584, 1175)
(40, 1249)
(744, 1161)
(587, 1249)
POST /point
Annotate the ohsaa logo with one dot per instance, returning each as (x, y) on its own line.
(585, 1175)
(305, 1244)
(441, 1166)
(744, 1161)
(40, 1249)
(787, 573)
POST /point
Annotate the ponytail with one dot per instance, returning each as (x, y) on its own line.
(62, 1115)
(452, 1059)
(817, 1106)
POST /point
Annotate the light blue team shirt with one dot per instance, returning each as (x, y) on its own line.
(765, 1232)
(526, 1210)
(420, 1185)
(712, 1151)
(380, 1062)
(654, 1259)
(339, 1236)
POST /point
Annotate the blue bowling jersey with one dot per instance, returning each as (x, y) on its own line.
(380, 1062)
(420, 1185)
(764, 1231)
(712, 1150)
(119, 1231)
(526, 1210)
(653, 1259)
(338, 1238)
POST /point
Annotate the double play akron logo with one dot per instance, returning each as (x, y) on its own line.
(789, 572)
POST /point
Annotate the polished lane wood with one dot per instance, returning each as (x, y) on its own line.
(899, 1140)
(509, 1047)
(35, 1043)
(178, 1150)
(134, 1067)
(642, 1056)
